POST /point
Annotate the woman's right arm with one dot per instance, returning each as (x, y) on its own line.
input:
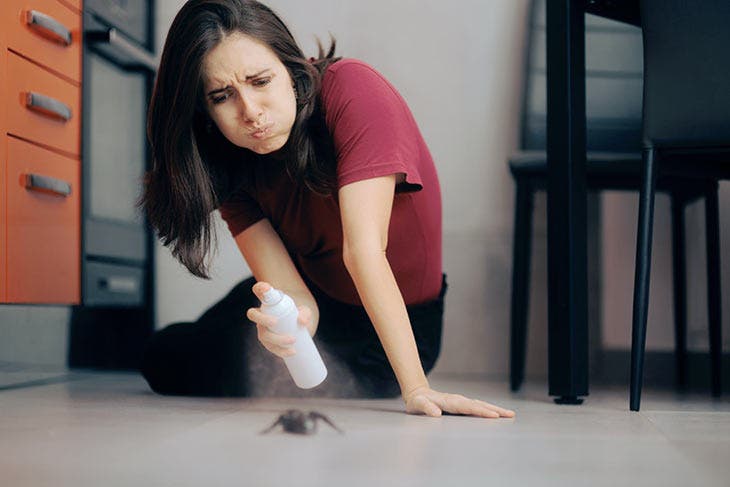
(270, 262)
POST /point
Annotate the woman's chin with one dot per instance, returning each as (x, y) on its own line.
(274, 144)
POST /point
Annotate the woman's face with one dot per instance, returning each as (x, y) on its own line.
(249, 94)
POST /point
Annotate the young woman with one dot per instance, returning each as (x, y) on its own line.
(322, 176)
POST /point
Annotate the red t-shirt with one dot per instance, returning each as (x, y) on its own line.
(374, 134)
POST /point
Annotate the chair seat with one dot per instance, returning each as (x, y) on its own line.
(604, 171)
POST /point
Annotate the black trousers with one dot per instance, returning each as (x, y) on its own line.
(220, 355)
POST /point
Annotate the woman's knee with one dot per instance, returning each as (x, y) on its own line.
(161, 358)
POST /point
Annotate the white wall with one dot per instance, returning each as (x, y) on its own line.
(459, 65)
(620, 213)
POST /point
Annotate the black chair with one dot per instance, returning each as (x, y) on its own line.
(614, 70)
(604, 171)
(686, 133)
(613, 140)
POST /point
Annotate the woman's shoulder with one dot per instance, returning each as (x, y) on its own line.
(350, 70)
(352, 77)
(346, 65)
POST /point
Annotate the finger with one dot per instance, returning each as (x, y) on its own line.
(260, 288)
(458, 404)
(305, 315)
(422, 405)
(255, 315)
(278, 350)
(275, 339)
(507, 413)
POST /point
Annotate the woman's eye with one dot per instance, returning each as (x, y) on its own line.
(262, 82)
(220, 99)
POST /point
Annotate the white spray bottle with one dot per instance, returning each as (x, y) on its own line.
(305, 366)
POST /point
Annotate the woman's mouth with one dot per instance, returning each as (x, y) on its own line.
(261, 133)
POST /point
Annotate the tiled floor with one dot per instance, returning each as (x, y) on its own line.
(110, 430)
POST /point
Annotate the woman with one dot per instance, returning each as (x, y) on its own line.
(324, 180)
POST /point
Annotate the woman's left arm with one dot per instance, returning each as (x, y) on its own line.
(365, 208)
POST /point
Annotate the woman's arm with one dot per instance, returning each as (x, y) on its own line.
(365, 208)
(270, 262)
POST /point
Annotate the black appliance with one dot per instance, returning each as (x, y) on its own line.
(116, 317)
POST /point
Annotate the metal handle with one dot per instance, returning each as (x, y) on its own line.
(113, 44)
(47, 184)
(47, 106)
(119, 284)
(48, 25)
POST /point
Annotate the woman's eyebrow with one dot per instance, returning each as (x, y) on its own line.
(249, 77)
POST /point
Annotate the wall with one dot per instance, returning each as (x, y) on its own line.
(461, 73)
(460, 70)
(620, 213)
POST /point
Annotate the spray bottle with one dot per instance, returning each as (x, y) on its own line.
(306, 366)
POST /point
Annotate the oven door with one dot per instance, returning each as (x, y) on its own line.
(117, 78)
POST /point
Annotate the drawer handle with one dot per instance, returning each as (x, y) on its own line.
(47, 106)
(47, 184)
(119, 284)
(47, 25)
(112, 44)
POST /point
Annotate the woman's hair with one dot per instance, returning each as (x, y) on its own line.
(195, 168)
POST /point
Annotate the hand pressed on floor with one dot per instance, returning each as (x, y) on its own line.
(425, 400)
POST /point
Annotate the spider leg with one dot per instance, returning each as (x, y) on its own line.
(315, 415)
(276, 423)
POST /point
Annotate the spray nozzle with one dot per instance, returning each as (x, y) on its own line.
(272, 296)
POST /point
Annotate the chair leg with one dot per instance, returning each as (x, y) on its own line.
(712, 228)
(680, 290)
(521, 247)
(641, 278)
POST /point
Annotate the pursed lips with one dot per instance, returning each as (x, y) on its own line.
(261, 130)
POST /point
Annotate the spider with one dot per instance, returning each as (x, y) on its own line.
(296, 421)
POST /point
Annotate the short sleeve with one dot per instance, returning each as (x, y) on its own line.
(373, 131)
(240, 211)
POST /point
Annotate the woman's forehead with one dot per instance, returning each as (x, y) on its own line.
(237, 55)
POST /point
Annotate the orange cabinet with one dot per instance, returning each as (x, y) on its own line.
(46, 31)
(3, 156)
(40, 147)
(43, 225)
(41, 107)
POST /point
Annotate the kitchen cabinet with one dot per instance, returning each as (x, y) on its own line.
(40, 151)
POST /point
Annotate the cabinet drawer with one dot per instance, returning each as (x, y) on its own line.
(113, 285)
(76, 4)
(43, 225)
(46, 31)
(52, 117)
(3, 226)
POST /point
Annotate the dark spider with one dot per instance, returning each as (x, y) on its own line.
(296, 421)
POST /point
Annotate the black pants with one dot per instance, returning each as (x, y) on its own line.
(220, 355)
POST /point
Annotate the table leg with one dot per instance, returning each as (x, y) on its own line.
(566, 152)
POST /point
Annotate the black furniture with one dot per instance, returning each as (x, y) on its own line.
(614, 80)
(604, 171)
(686, 132)
(613, 83)
(566, 149)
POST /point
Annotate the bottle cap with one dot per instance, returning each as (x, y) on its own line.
(272, 296)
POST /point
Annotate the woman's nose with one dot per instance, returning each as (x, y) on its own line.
(250, 108)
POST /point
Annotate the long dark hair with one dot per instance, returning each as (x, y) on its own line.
(195, 167)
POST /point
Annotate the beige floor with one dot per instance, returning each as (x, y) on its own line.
(109, 430)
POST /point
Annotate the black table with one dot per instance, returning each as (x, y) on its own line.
(566, 155)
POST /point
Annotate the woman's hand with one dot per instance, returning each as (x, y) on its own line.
(280, 345)
(425, 400)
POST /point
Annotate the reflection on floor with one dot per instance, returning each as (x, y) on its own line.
(108, 429)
